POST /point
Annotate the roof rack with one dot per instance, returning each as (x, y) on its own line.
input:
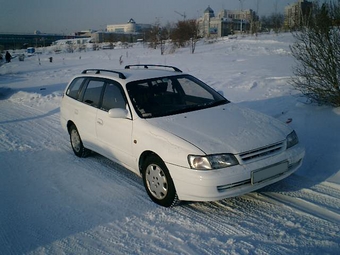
(98, 71)
(147, 66)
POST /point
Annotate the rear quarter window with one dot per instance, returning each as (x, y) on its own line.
(75, 88)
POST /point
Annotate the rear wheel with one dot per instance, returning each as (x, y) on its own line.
(76, 143)
(158, 182)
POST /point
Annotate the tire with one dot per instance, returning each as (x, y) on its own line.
(76, 143)
(158, 182)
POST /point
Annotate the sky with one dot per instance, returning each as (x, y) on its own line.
(69, 16)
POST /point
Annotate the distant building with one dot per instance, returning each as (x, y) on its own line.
(103, 36)
(130, 27)
(23, 41)
(129, 32)
(73, 41)
(85, 33)
(226, 22)
(297, 13)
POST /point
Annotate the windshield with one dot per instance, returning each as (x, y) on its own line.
(171, 95)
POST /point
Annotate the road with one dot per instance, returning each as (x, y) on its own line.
(55, 203)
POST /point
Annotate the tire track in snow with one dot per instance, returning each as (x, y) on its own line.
(304, 206)
(324, 195)
(230, 223)
(319, 200)
(324, 187)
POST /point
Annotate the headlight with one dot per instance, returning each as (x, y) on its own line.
(212, 161)
(292, 139)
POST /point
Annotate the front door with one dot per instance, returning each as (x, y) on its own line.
(115, 134)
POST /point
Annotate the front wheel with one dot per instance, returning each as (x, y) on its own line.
(76, 143)
(158, 182)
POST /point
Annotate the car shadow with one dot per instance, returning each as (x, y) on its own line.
(43, 90)
(52, 112)
(315, 127)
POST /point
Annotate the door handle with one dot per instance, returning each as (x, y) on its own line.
(100, 121)
(76, 111)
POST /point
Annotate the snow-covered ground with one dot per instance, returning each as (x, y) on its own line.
(52, 202)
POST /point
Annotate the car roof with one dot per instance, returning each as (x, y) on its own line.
(133, 72)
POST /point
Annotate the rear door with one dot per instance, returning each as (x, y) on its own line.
(71, 102)
(85, 116)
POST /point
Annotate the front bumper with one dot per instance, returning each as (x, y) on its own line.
(210, 185)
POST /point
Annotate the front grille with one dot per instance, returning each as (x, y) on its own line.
(262, 152)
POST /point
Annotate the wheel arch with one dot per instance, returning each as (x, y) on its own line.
(69, 124)
(143, 157)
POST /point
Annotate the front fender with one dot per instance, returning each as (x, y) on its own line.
(172, 149)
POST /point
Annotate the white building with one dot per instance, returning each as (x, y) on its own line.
(128, 28)
(226, 22)
(128, 32)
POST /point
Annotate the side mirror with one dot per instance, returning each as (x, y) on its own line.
(220, 92)
(118, 113)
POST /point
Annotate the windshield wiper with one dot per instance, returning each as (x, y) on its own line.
(211, 104)
(178, 111)
(189, 108)
(216, 103)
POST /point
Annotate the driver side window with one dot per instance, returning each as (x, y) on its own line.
(113, 97)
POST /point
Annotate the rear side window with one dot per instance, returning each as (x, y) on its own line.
(75, 88)
(93, 92)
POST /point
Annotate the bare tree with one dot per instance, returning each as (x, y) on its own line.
(157, 36)
(317, 50)
(255, 22)
(272, 22)
(152, 35)
(185, 32)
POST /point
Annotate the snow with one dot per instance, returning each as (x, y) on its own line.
(55, 203)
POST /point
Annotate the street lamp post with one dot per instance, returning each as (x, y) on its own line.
(241, 4)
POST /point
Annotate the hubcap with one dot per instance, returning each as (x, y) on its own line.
(75, 140)
(156, 181)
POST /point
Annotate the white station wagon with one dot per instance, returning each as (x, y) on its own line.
(182, 137)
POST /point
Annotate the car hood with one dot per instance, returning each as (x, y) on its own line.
(227, 128)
